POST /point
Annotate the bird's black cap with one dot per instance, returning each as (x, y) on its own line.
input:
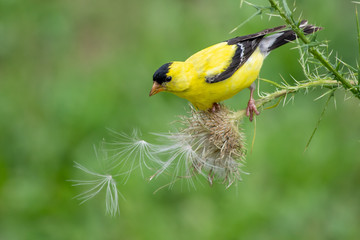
(160, 74)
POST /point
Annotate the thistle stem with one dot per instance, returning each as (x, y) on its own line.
(290, 89)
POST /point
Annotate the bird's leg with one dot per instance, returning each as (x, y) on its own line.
(251, 107)
(215, 107)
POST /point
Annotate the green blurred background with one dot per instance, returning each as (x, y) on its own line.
(71, 69)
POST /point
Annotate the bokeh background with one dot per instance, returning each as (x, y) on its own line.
(71, 69)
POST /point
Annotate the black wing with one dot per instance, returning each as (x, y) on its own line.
(243, 51)
(245, 46)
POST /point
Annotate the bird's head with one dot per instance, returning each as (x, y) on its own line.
(172, 77)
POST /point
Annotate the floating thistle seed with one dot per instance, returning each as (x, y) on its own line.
(182, 161)
(95, 185)
(130, 152)
(209, 144)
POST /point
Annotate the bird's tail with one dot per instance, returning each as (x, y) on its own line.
(276, 40)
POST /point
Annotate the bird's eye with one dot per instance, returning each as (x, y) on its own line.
(168, 78)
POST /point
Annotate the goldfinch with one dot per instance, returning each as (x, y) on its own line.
(222, 70)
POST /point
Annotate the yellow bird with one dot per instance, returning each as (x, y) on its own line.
(220, 71)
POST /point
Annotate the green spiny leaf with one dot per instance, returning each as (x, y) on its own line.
(338, 66)
(320, 118)
(271, 82)
(286, 8)
(247, 20)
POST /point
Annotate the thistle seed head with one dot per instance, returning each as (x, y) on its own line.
(210, 143)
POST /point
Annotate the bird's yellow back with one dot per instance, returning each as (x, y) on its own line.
(212, 60)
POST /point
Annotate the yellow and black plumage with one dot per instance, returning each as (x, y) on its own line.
(220, 71)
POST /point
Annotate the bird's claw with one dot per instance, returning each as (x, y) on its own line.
(250, 109)
(215, 107)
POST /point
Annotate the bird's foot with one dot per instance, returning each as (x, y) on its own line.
(251, 109)
(215, 107)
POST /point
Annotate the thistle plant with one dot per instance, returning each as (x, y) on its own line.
(321, 69)
(315, 58)
(211, 145)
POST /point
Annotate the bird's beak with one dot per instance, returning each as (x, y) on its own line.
(156, 88)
